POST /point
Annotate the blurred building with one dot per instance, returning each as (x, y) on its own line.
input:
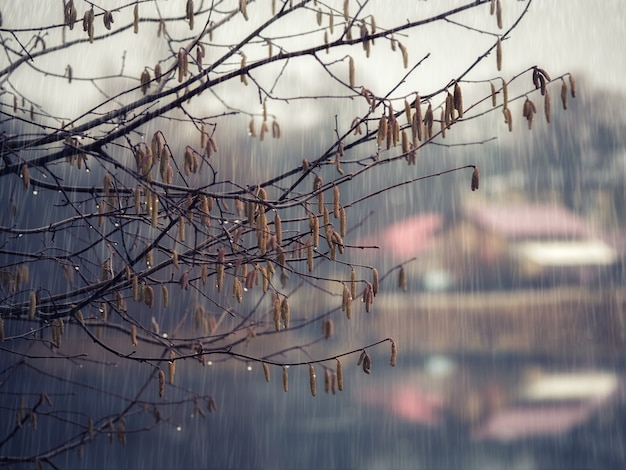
(525, 245)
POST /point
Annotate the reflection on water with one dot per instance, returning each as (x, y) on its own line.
(430, 411)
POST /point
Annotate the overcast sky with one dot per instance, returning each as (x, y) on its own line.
(585, 37)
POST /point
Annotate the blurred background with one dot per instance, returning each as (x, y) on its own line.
(512, 332)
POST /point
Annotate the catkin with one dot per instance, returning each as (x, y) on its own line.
(458, 99)
(508, 118)
(564, 94)
(276, 310)
(375, 281)
(133, 335)
(327, 328)
(428, 122)
(135, 287)
(243, 9)
(309, 255)
(368, 296)
(148, 295)
(343, 221)
(189, 13)
(285, 312)
(402, 282)
(381, 136)
(499, 14)
(339, 376)
(394, 354)
(336, 197)
(546, 105)
(161, 383)
(316, 231)
(572, 84)
(312, 379)
(266, 372)
(351, 71)
(243, 77)
(155, 210)
(405, 54)
(32, 304)
(407, 112)
(475, 181)
(175, 259)
(183, 64)
(499, 54)
(104, 311)
(144, 81)
(493, 95)
(171, 368)
(278, 227)
(346, 298)
(352, 283)
(25, 176)
(285, 379)
(136, 18)
(367, 364)
(417, 117)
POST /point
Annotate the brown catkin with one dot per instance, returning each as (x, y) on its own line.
(276, 311)
(136, 18)
(458, 99)
(508, 118)
(572, 84)
(499, 54)
(133, 335)
(339, 375)
(394, 354)
(381, 136)
(266, 372)
(148, 295)
(564, 94)
(374, 281)
(312, 379)
(309, 255)
(351, 71)
(493, 95)
(285, 379)
(278, 227)
(402, 282)
(352, 283)
(405, 54)
(546, 105)
(407, 112)
(499, 14)
(428, 122)
(475, 180)
(336, 197)
(171, 368)
(135, 287)
(32, 305)
(161, 383)
(345, 298)
(342, 221)
(285, 312)
(505, 94)
(25, 176)
(243, 9)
